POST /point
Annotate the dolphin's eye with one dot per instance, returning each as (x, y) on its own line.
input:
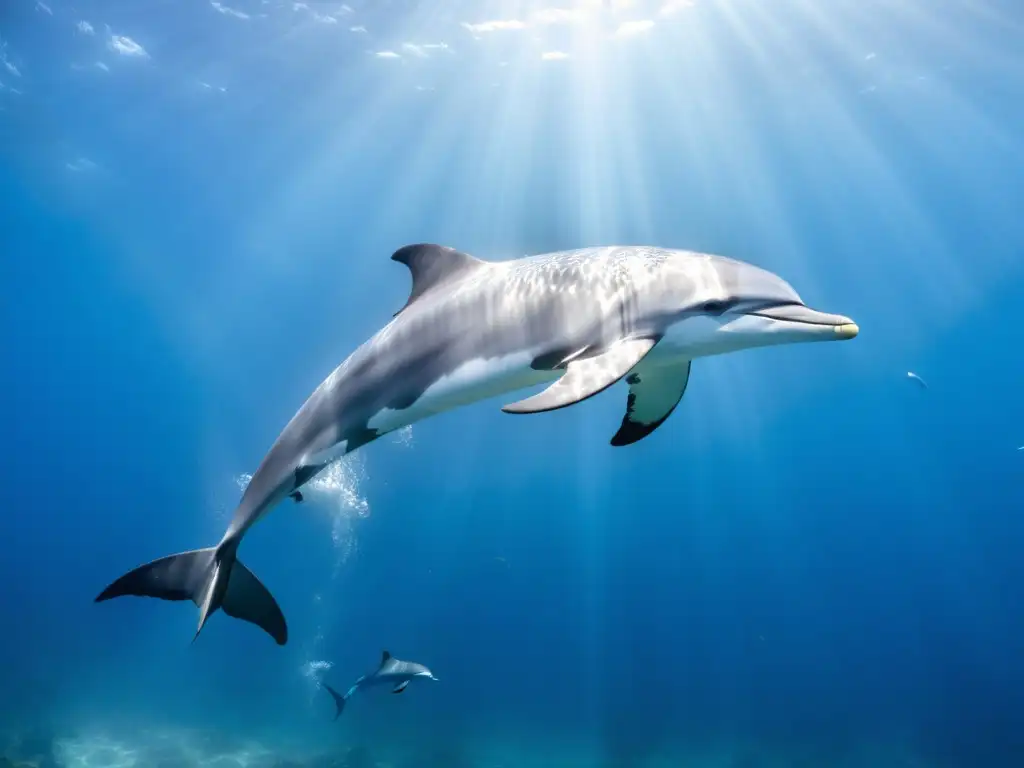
(714, 307)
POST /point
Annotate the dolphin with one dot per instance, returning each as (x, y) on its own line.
(390, 672)
(915, 378)
(472, 329)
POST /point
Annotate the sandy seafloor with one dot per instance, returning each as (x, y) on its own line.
(168, 747)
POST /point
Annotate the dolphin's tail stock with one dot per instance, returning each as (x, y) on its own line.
(211, 578)
(339, 700)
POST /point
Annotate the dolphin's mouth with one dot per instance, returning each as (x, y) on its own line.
(842, 327)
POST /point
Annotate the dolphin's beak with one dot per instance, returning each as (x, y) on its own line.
(841, 327)
(846, 330)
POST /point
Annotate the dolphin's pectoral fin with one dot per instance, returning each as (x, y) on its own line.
(432, 265)
(586, 376)
(296, 496)
(401, 687)
(653, 395)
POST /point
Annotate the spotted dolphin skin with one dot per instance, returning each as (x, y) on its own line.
(472, 329)
(393, 672)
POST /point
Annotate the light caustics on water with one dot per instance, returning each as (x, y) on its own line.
(746, 110)
(756, 110)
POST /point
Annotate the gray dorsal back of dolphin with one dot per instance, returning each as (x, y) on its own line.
(576, 322)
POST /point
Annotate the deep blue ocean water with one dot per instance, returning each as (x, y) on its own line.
(814, 562)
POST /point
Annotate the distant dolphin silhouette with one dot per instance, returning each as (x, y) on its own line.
(915, 378)
(473, 329)
(390, 672)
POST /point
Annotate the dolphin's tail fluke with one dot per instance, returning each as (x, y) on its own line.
(339, 700)
(211, 578)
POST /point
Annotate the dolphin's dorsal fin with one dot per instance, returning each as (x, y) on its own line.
(432, 265)
(384, 657)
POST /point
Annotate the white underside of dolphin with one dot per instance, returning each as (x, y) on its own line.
(577, 321)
